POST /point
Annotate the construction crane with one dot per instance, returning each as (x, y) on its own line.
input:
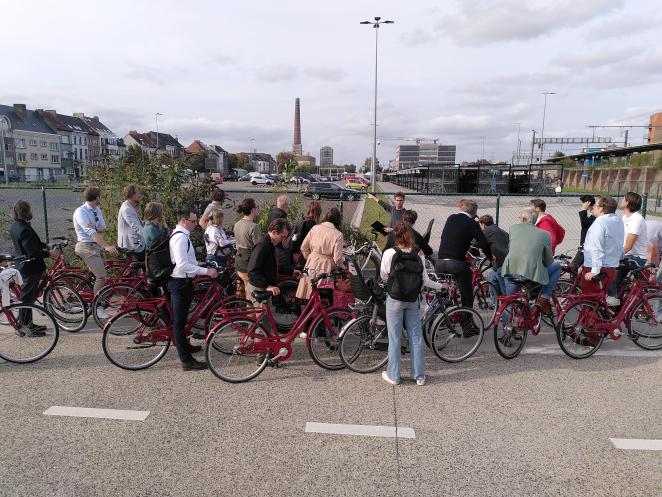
(401, 139)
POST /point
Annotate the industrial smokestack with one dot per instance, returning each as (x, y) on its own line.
(296, 148)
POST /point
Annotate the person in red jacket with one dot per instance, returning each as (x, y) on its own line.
(547, 223)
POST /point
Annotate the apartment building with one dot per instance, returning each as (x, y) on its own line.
(109, 146)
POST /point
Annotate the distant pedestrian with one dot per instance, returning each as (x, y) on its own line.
(216, 203)
(130, 234)
(28, 244)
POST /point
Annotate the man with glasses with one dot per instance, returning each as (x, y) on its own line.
(180, 285)
(397, 209)
(89, 226)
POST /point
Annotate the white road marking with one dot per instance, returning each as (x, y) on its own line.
(606, 353)
(86, 412)
(636, 444)
(361, 430)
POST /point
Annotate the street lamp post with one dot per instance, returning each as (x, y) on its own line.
(542, 131)
(4, 123)
(156, 118)
(519, 143)
(375, 24)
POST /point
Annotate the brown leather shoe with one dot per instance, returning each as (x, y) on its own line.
(545, 306)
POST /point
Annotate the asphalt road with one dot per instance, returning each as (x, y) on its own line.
(537, 425)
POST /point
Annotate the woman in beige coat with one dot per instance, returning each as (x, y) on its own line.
(322, 249)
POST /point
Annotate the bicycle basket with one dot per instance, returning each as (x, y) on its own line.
(326, 294)
(359, 287)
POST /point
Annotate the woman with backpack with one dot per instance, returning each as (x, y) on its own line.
(322, 249)
(403, 268)
(301, 229)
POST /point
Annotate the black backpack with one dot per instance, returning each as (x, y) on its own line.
(406, 278)
(157, 260)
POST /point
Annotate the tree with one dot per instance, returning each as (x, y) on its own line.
(196, 161)
(367, 166)
(286, 161)
(349, 168)
(558, 154)
(232, 161)
(244, 162)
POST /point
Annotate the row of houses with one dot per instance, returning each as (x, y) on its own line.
(44, 145)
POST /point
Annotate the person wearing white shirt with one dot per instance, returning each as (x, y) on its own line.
(129, 227)
(655, 245)
(635, 246)
(89, 226)
(180, 285)
(217, 240)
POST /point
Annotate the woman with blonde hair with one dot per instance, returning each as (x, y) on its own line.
(217, 241)
(322, 249)
(155, 224)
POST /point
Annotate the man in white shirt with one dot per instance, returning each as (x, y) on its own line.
(635, 246)
(129, 227)
(180, 285)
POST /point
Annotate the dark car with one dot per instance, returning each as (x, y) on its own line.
(329, 190)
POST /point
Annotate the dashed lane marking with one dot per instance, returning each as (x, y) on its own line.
(86, 412)
(361, 430)
(636, 444)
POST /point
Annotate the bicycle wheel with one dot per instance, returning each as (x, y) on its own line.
(645, 325)
(485, 301)
(230, 352)
(364, 346)
(20, 344)
(324, 338)
(67, 307)
(132, 342)
(573, 331)
(111, 297)
(84, 285)
(285, 307)
(456, 334)
(214, 317)
(510, 332)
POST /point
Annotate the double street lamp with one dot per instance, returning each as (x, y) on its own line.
(375, 24)
(542, 133)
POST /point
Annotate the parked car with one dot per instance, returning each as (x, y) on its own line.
(329, 190)
(261, 179)
(354, 184)
(299, 180)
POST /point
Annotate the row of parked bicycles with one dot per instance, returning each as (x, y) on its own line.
(341, 329)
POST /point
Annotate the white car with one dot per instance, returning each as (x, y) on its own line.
(261, 179)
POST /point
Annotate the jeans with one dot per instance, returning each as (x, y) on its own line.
(181, 294)
(397, 312)
(497, 279)
(91, 255)
(463, 274)
(28, 296)
(553, 272)
(615, 288)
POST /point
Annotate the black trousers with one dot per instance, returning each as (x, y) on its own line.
(28, 295)
(181, 294)
(463, 274)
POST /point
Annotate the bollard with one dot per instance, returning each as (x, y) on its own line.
(498, 208)
(644, 204)
(43, 199)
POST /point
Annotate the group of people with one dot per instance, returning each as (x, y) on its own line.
(524, 253)
(316, 244)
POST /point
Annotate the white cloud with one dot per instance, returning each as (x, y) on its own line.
(418, 36)
(481, 22)
(277, 73)
(325, 73)
(619, 26)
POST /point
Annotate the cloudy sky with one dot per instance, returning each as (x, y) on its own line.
(226, 72)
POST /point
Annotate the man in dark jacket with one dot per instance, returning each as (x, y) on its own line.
(410, 217)
(586, 219)
(460, 229)
(284, 253)
(27, 244)
(498, 240)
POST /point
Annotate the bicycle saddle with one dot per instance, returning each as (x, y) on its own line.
(262, 296)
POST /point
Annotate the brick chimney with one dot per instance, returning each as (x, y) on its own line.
(21, 110)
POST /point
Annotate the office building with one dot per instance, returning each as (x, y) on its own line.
(422, 154)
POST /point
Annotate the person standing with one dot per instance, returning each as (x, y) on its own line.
(90, 226)
(180, 285)
(498, 240)
(246, 234)
(530, 257)
(403, 268)
(283, 250)
(281, 210)
(28, 244)
(155, 225)
(216, 203)
(603, 247)
(397, 209)
(217, 241)
(654, 229)
(586, 219)
(322, 249)
(312, 218)
(547, 223)
(458, 233)
(130, 234)
(409, 218)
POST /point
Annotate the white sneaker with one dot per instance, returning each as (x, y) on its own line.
(102, 314)
(612, 301)
(420, 381)
(303, 335)
(389, 380)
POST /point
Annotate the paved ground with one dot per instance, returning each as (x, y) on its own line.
(537, 425)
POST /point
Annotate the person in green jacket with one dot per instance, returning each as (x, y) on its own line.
(530, 256)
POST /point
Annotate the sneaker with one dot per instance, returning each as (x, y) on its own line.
(37, 327)
(389, 380)
(28, 332)
(102, 314)
(420, 381)
(303, 335)
(613, 301)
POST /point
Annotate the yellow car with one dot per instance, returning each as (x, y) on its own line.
(355, 185)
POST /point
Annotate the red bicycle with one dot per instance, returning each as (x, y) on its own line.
(239, 347)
